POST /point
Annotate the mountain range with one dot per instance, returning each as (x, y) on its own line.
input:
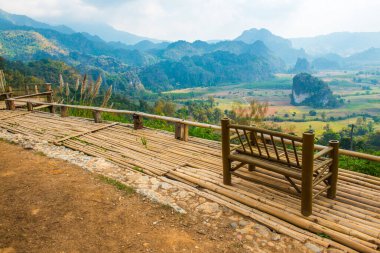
(341, 43)
(156, 65)
(159, 66)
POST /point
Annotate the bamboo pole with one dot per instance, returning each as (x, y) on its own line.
(29, 105)
(307, 174)
(331, 193)
(226, 151)
(97, 116)
(339, 237)
(137, 121)
(64, 111)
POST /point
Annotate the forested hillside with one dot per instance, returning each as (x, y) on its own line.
(176, 65)
(19, 74)
(207, 70)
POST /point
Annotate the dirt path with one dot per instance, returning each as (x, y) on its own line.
(48, 205)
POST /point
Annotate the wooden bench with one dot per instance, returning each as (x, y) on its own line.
(294, 157)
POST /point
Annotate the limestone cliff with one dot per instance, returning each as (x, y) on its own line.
(311, 91)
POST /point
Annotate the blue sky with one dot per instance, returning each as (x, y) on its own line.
(208, 19)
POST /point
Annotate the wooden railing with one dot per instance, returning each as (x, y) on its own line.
(11, 101)
(30, 89)
(181, 125)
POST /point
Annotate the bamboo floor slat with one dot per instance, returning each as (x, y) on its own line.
(351, 221)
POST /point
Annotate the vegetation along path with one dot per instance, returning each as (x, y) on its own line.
(351, 222)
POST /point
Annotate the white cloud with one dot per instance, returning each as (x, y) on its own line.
(54, 11)
(210, 19)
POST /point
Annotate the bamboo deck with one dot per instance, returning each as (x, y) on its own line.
(351, 221)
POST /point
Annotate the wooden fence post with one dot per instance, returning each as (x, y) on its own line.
(36, 89)
(137, 121)
(29, 105)
(181, 131)
(11, 105)
(52, 109)
(185, 132)
(251, 140)
(226, 151)
(49, 98)
(307, 174)
(64, 111)
(97, 116)
(7, 104)
(10, 92)
(178, 131)
(334, 167)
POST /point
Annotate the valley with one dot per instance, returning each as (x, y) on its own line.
(361, 99)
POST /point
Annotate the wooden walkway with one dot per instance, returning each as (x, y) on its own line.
(351, 222)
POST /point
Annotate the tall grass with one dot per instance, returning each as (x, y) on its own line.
(89, 92)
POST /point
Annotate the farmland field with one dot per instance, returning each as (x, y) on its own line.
(361, 96)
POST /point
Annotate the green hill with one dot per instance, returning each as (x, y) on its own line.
(207, 70)
(27, 45)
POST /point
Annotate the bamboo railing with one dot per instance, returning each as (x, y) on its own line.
(181, 125)
(30, 89)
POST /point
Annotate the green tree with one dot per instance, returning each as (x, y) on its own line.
(312, 113)
(211, 100)
(323, 116)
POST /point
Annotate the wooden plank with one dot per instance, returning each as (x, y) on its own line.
(84, 133)
(33, 95)
(16, 115)
(41, 107)
(263, 164)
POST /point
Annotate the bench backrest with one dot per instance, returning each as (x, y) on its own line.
(271, 145)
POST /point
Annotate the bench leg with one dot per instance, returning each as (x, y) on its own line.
(251, 167)
(331, 192)
(227, 172)
(307, 196)
(307, 174)
(226, 151)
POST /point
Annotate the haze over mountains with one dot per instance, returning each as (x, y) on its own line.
(342, 43)
(22, 20)
(254, 55)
